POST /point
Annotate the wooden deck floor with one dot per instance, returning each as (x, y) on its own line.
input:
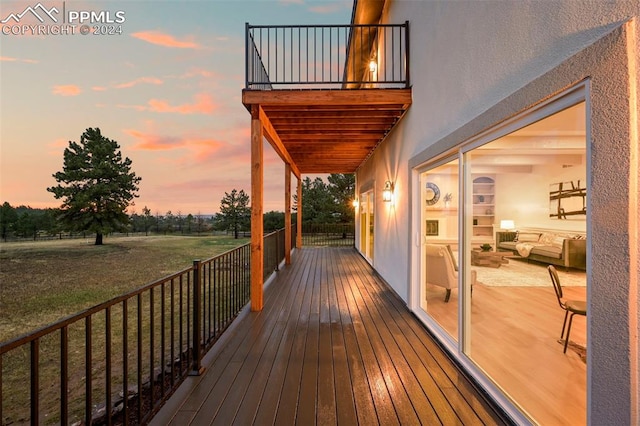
(334, 345)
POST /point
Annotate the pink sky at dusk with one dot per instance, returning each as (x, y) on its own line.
(167, 89)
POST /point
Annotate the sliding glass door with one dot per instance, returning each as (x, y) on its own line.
(492, 219)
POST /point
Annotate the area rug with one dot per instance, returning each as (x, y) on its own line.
(525, 274)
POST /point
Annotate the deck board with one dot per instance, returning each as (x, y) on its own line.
(333, 345)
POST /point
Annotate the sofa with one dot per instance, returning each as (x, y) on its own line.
(550, 247)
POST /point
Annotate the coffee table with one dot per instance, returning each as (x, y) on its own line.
(491, 259)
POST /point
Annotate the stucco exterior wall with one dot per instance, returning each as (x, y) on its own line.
(474, 64)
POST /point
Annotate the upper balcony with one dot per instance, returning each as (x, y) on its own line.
(327, 56)
(327, 95)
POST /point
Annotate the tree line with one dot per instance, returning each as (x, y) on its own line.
(323, 202)
(97, 186)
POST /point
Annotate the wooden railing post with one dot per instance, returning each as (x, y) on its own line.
(196, 368)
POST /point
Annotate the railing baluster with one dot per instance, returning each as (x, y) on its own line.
(246, 54)
(35, 381)
(406, 57)
(139, 359)
(180, 316)
(215, 290)
(125, 362)
(64, 376)
(172, 338)
(107, 348)
(1, 399)
(151, 347)
(197, 317)
(163, 320)
(88, 356)
(211, 311)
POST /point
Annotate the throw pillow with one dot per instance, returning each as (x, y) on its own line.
(532, 237)
(557, 241)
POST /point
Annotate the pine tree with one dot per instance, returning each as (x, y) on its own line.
(96, 185)
(235, 212)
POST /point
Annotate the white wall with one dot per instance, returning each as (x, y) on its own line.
(524, 198)
(467, 57)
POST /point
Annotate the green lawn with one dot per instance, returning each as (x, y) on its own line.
(42, 282)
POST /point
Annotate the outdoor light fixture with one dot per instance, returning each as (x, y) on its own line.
(507, 225)
(373, 65)
(355, 203)
(387, 192)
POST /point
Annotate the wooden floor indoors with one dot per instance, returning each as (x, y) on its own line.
(334, 345)
(515, 339)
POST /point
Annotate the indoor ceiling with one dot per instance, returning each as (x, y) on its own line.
(557, 139)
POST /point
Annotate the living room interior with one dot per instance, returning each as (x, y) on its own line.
(525, 208)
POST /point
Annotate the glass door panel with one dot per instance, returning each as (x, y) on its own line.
(526, 196)
(439, 201)
(366, 225)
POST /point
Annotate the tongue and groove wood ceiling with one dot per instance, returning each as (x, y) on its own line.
(329, 131)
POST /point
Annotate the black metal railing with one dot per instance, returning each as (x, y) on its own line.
(326, 56)
(332, 234)
(118, 362)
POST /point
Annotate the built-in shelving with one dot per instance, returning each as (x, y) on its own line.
(483, 206)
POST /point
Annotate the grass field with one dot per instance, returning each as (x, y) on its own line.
(42, 282)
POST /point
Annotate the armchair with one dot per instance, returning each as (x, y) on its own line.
(441, 268)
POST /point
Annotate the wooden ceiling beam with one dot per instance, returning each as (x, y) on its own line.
(323, 123)
(293, 113)
(275, 141)
(273, 109)
(322, 137)
(322, 169)
(333, 128)
(327, 131)
(327, 97)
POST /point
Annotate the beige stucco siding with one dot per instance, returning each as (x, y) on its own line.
(475, 64)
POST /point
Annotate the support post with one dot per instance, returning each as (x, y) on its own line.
(287, 214)
(299, 215)
(257, 228)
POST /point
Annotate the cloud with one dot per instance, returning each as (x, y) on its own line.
(196, 150)
(66, 90)
(135, 107)
(166, 40)
(141, 80)
(199, 72)
(98, 88)
(151, 142)
(327, 8)
(10, 59)
(202, 104)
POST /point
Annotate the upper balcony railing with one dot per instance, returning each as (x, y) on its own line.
(327, 56)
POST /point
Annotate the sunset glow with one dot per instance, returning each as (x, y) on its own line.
(165, 83)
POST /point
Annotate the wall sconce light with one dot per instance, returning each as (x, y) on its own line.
(373, 65)
(507, 225)
(355, 203)
(387, 192)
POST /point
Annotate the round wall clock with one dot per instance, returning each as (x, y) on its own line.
(432, 194)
